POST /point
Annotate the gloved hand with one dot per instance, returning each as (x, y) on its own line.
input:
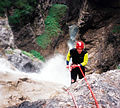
(79, 64)
(74, 66)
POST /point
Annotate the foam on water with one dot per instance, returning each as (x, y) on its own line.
(54, 70)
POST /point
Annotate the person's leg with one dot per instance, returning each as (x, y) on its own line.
(80, 73)
(73, 75)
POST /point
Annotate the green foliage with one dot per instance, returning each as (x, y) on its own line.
(33, 54)
(57, 11)
(118, 67)
(23, 9)
(14, 19)
(116, 29)
(4, 4)
(28, 54)
(52, 26)
(37, 55)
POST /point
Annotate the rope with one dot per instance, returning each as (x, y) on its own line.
(96, 102)
(73, 98)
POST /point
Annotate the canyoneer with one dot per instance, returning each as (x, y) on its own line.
(79, 58)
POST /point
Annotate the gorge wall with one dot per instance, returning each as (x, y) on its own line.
(99, 28)
(98, 23)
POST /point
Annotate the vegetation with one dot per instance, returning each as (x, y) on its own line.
(20, 13)
(4, 5)
(116, 29)
(37, 55)
(21, 10)
(118, 67)
(52, 26)
(33, 54)
(28, 54)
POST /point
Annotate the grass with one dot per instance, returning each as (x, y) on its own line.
(52, 26)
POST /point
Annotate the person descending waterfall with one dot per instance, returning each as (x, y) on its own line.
(79, 58)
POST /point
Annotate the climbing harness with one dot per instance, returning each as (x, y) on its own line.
(76, 106)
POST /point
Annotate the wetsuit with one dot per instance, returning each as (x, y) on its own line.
(77, 58)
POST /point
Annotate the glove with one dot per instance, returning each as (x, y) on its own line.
(74, 66)
(79, 64)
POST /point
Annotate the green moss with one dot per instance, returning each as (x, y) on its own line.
(37, 55)
(28, 54)
(52, 26)
(34, 54)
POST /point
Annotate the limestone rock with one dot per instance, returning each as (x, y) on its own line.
(6, 35)
(105, 88)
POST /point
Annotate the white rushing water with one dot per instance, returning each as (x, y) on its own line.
(54, 70)
(73, 30)
(52, 77)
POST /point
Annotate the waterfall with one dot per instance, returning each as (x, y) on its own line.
(73, 29)
(53, 70)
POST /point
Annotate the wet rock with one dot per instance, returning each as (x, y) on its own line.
(105, 88)
(97, 21)
(27, 104)
(6, 35)
(23, 62)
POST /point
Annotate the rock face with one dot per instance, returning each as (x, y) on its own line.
(99, 28)
(98, 23)
(6, 35)
(96, 20)
(23, 62)
(105, 87)
(16, 57)
(17, 88)
(25, 36)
